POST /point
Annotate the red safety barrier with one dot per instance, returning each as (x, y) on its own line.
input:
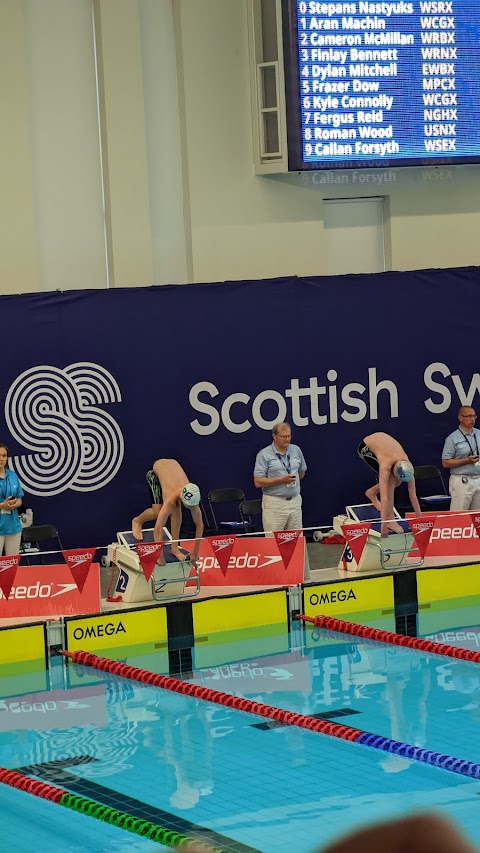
(332, 624)
(287, 718)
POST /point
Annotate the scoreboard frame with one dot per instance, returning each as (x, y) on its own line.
(295, 139)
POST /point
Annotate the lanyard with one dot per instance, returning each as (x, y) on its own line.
(282, 458)
(469, 445)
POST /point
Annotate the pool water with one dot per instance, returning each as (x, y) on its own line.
(241, 782)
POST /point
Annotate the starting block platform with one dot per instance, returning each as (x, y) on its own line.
(168, 582)
(387, 553)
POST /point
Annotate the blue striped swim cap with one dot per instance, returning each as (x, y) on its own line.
(403, 471)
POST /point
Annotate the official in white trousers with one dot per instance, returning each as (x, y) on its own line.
(461, 455)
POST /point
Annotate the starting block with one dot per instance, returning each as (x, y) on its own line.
(167, 582)
(389, 553)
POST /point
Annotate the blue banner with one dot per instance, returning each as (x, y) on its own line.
(99, 384)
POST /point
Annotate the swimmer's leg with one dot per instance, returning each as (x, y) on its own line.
(149, 514)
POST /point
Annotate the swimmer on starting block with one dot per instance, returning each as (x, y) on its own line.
(169, 489)
(392, 466)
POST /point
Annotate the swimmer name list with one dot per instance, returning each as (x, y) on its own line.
(356, 99)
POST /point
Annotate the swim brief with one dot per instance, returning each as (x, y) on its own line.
(368, 456)
(154, 487)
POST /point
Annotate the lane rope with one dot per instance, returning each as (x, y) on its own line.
(91, 808)
(343, 627)
(289, 718)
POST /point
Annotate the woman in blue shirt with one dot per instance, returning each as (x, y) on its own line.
(11, 494)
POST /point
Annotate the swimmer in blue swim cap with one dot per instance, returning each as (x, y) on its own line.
(392, 466)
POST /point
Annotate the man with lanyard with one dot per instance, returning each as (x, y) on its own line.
(461, 456)
(278, 471)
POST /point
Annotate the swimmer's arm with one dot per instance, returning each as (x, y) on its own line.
(197, 518)
(383, 484)
(412, 494)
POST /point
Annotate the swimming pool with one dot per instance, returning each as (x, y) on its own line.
(241, 782)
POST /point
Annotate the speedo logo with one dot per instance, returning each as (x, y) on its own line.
(450, 637)
(148, 549)
(40, 590)
(80, 558)
(359, 531)
(107, 630)
(219, 544)
(243, 561)
(469, 532)
(422, 528)
(7, 564)
(39, 707)
(286, 537)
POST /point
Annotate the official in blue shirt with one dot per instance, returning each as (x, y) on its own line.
(461, 455)
(11, 494)
(278, 471)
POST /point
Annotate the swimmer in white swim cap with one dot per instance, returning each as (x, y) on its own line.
(170, 488)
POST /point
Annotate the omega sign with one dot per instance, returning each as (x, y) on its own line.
(332, 597)
(96, 631)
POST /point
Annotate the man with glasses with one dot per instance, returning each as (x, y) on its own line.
(278, 471)
(461, 456)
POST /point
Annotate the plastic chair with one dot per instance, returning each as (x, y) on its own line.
(249, 509)
(430, 501)
(36, 534)
(208, 526)
(234, 498)
(188, 527)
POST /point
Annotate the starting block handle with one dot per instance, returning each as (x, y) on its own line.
(383, 550)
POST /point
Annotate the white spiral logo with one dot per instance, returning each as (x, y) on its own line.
(54, 413)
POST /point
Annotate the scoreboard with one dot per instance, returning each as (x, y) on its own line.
(382, 83)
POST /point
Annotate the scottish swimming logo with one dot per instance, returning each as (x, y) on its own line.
(56, 415)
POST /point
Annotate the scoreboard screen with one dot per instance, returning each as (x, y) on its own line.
(385, 83)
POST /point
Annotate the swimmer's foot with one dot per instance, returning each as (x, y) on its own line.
(137, 529)
(395, 527)
(175, 550)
